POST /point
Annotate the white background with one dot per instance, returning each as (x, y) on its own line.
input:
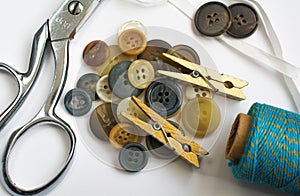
(19, 20)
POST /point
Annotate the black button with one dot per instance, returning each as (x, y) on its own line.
(185, 52)
(77, 102)
(164, 96)
(102, 120)
(154, 50)
(244, 20)
(212, 18)
(119, 83)
(160, 150)
(133, 157)
(88, 83)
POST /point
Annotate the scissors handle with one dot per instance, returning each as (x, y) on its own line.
(25, 80)
(52, 120)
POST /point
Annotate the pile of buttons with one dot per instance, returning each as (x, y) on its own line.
(239, 20)
(129, 69)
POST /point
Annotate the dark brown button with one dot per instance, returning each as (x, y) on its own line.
(185, 52)
(102, 120)
(244, 20)
(96, 53)
(154, 50)
(212, 18)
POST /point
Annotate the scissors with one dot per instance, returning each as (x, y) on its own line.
(167, 134)
(210, 79)
(58, 30)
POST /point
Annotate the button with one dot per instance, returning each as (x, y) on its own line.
(244, 20)
(132, 42)
(192, 92)
(185, 52)
(102, 89)
(115, 57)
(119, 83)
(160, 150)
(201, 116)
(141, 73)
(129, 107)
(88, 83)
(133, 157)
(154, 50)
(164, 96)
(77, 102)
(95, 53)
(102, 120)
(122, 134)
(212, 18)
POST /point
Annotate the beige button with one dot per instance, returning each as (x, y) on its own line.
(129, 107)
(132, 42)
(192, 92)
(201, 116)
(141, 73)
(115, 57)
(102, 89)
(122, 134)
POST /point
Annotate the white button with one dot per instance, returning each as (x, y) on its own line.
(129, 107)
(102, 89)
(141, 73)
(192, 92)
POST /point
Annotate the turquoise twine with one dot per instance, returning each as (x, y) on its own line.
(272, 151)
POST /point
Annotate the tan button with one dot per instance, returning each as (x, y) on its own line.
(132, 42)
(129, 107)
(115, 57)
(141, 73)
(102, 120)
(96, 53)
(192, 92)
(102, 89)
(201, 116)
(122, 134)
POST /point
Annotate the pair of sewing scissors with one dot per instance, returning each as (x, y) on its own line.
(163, 131)
(58, 30)
(210, 79)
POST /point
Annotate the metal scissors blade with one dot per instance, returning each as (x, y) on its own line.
(166, 133)
(58, 30)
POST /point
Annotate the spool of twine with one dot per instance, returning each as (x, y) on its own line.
(264, 148)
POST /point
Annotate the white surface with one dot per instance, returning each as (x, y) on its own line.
(89, 176)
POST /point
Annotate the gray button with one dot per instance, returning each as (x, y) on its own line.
(119, 83)
(88, 83)
(133, 157)
(77, 102)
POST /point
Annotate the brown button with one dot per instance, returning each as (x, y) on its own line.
(244, 20)
(122, 134)
(154, 50)
(102, 120)
(185, 52)
(212, 18)
(115, 57)
(132, 42)
(201, 116)
(96, 53)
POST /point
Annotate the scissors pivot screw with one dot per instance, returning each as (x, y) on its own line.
(75, 7)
